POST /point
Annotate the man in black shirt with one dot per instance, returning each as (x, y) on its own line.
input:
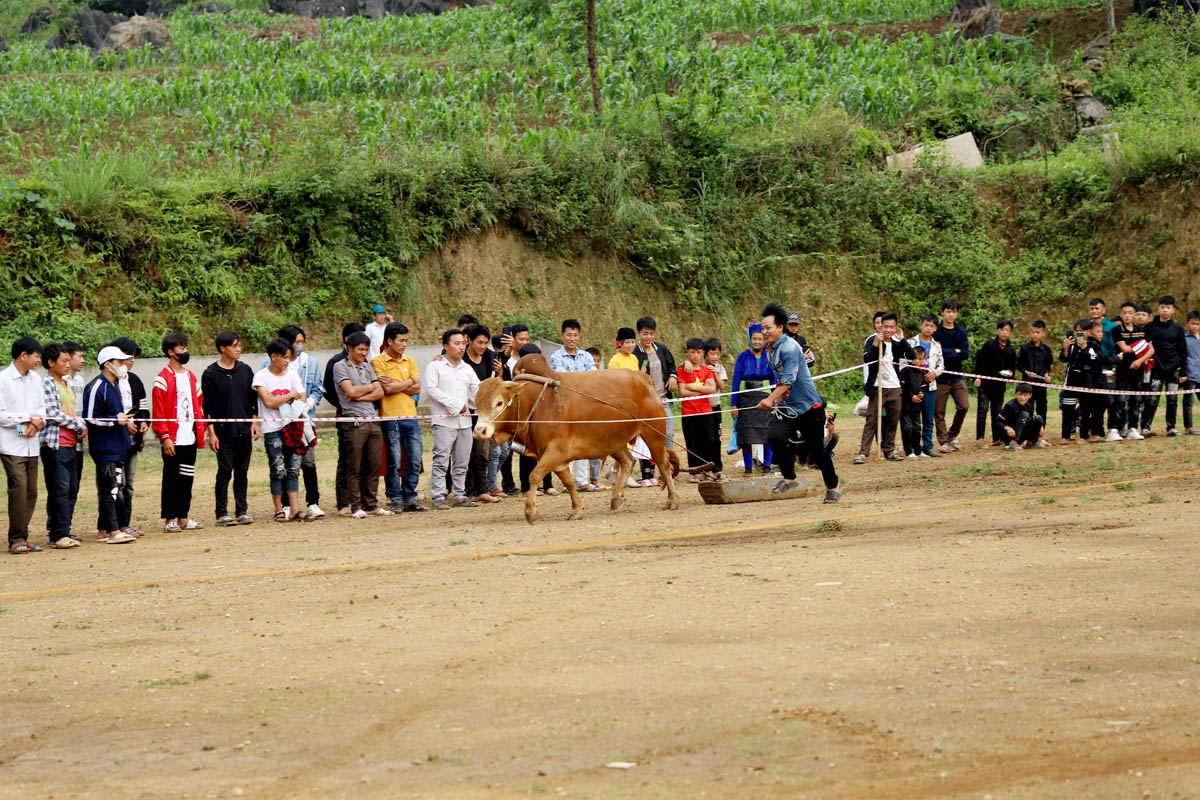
(483, 361)
(343, 494)
(997, 358)
(1034, 361)
(226, 386)
(1170, 354)
(1020, 422)
(1134, 351)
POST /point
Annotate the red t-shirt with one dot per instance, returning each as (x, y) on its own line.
(698, 377)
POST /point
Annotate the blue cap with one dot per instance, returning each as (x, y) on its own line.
(378, 309)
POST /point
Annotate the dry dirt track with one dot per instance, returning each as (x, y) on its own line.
(1040, 647)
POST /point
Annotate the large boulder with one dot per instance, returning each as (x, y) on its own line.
(316, 9)
(974, 18)
(136, 32)
(88, 28)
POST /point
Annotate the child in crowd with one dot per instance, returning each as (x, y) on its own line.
(712, 360)
(912, 392)
(1084, 361)
(1191, 371)
(696, 382)
(1034, 361)
(597, 356)
(998, 359)
(624, 357)
(1021, 424)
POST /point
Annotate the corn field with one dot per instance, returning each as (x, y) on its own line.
(218, 96)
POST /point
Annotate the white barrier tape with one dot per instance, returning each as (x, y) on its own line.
(315, 420)
(1079, 389)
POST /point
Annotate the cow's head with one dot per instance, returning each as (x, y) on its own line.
(494, 407)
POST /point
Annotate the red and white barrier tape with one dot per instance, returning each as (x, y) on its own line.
(1079, 389)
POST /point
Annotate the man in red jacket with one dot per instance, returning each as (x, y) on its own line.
(176, 397)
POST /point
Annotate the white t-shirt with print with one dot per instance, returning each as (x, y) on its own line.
(186, 435)
(276, 385)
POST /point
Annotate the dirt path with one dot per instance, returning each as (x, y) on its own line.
(1045, 646)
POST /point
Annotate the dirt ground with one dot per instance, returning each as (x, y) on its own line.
(971, 626)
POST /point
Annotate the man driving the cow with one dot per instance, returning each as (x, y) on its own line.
(796, 406)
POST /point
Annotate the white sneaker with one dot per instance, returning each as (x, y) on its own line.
(287, 511)
(924, 455)
(1134, 435)
(913, 455)
(315, 511)
(1114, 435)
(360, 514)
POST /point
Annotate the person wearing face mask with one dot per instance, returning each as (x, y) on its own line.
(178, 408)
(751, 373)
(109, 430)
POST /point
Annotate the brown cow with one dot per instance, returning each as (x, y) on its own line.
(537, 409)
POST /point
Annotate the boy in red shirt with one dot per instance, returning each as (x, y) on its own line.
(696, 383)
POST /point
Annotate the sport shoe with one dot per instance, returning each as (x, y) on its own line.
(1133, 435)
(954, 445)
(923, 454)
(315, 511)
(360, 514)
(911, 455)
(1114, 435)
(344, 512)
(287, 511)
(1147, 433)
(931, 454)
(944, 448)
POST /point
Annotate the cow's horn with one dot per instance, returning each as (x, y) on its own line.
(511, 385)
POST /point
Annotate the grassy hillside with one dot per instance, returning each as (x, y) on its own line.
(237, 177)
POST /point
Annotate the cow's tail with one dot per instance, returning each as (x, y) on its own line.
(674, 459)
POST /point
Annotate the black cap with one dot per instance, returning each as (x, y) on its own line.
(625, 333)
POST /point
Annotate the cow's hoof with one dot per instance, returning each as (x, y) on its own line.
(531, 513)
(575, 515)
(616, 503)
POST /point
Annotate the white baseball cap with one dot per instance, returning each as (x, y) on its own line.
(110, 353)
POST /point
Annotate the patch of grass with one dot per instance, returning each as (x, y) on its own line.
(457, 542)
(826, 526)
(976, 470)
(1048, 501)
(1156, 497)
(741, 574)
(199, 676)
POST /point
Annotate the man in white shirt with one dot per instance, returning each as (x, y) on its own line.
(895, 351)
(934, 364)
(22, 410)
(569, 358)
(375, 330)
(451, 385)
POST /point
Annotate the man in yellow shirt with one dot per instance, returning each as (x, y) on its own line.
(401, 383)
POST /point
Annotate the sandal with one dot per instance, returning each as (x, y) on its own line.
(226, 522)
(24, 547)
(246, 519)
(300, 517)
(281, 516)
(783, 487)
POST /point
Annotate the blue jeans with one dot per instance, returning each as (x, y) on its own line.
(499, 451)
(928, 408)
(403, 438)
(285, 466)
(62, 487)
